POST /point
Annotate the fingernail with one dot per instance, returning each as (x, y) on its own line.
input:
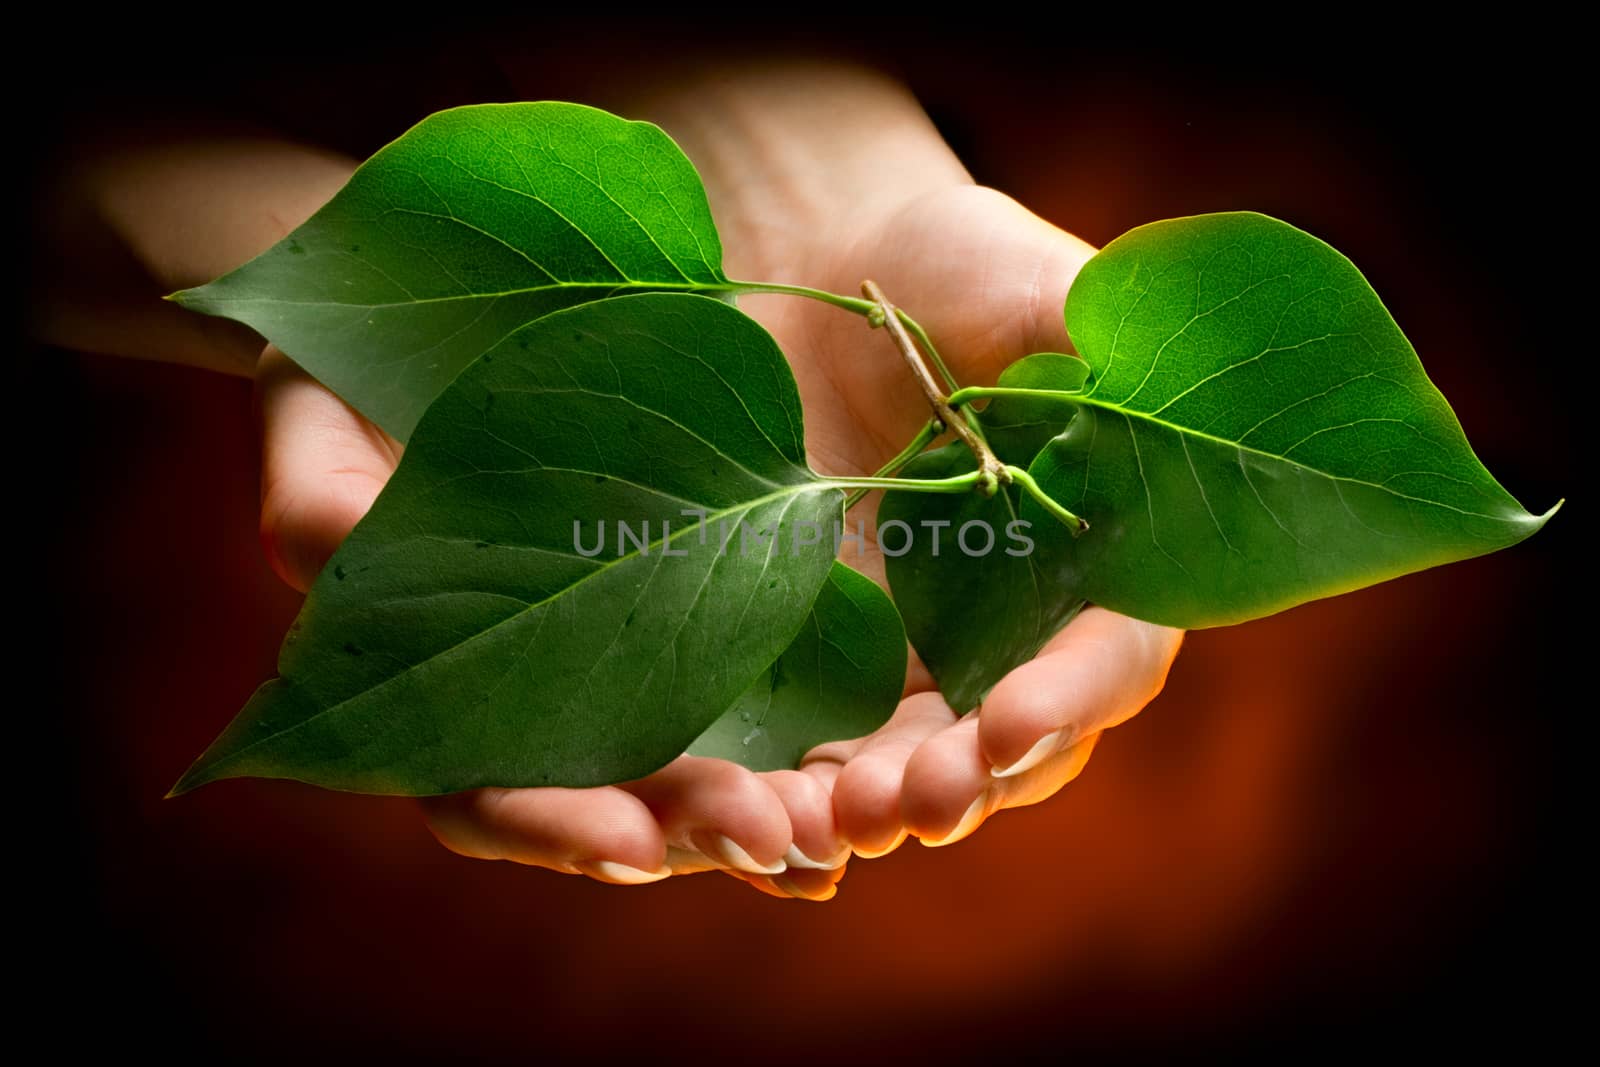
(689, 860)
(1042, 750)
(622, 874)
(970, 820)
(726, 851)
(874, 853)
(800, 894)
(797, 859)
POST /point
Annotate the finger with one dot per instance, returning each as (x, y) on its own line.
(1058, 256)
(944, 778)
(866, 796)
(1045, 780)
(949, 791)
(1027, 282)
(1035, 731)
(987, 317)
(605, 833)
(717, 812)
(796, 884)
(322, 465)
(1097, 672)
(816, 842)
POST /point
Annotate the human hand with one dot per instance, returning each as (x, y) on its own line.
(822, 177)
(323, 466)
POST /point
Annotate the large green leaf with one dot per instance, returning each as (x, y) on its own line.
(975, 604)
(1258, 433)
(839, 678)
(476, 221)
(462, 636)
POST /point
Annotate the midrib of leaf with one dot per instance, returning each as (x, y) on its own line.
(624, 283)
(745, 507)
(1185, 431)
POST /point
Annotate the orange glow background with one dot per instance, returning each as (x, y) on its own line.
(1340, 818)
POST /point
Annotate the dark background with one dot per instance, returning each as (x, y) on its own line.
(1346, 824)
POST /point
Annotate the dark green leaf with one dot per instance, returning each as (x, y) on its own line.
(976, 603)
(1017, 427)
(1259, 432)
(460, 637)
(840, 678)
(476, 221)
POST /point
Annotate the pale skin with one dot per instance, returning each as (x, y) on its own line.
(817, 176)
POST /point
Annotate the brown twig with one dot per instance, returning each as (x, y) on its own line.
(994, 471)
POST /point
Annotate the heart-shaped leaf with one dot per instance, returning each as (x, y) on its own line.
(839, 678)
(490, 623)
(476, 221)
(966, 578)
(1258, 433)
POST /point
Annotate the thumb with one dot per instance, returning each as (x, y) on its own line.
(1003, 291)
(1048, 259)
(322, 465)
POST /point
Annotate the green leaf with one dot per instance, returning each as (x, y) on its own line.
(971, 618)
(1259, 432)
(1018, 427)
(476, 221)
(840, 678)
(462, 636)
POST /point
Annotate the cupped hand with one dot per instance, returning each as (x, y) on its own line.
(800, 197)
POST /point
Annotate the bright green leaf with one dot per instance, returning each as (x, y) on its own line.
(974, 599)
(1258, 433)
(840, 678)
(476, 221)
(464, 636)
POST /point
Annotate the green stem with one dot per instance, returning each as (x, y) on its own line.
(853, 304)
(965, 423)
(928, 432)
(849, 303)
(1024, 479)
(965, 396)
(958, 484)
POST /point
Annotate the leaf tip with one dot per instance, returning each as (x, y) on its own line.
(202, 772)
(188, 783)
